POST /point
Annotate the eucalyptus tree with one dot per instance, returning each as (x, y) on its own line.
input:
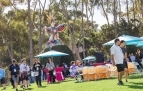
(127, 7)
(71, 27)
(142, 7)
(91, 8)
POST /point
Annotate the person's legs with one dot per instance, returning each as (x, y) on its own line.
(15, 78)
(43, 76)
(121, 74)
(120, 68)
(126, 70)
(21, 82)
(24, 83)
(36, 78)
(39, 80)
(76, 76)
(3, 83)
(26, 80)
(12, 82)
(126, 74)
(50, 76)
(53, 77)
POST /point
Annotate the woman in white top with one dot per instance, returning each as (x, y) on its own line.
(24, 69)
(50, 66)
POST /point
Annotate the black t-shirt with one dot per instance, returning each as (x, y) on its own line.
(14, 69)
(124, 50)
(37, 67)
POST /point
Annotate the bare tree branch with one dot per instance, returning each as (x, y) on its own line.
(14, 6)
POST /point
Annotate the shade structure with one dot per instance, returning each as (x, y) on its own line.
(92, 58)
(132, 43)
(135, 42)
(140, 44)
(51, 54)
(128, 39)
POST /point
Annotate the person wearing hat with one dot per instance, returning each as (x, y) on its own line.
(2, 77)
(14, 72)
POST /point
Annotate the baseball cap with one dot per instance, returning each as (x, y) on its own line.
(13, 60)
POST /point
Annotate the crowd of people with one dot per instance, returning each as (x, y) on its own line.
(22, 74)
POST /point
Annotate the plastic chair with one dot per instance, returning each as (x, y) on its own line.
(131, 67)
(97, 69)
(104, 72)
(91, 73)
(84, 73)
(137, 71)
(113, 71)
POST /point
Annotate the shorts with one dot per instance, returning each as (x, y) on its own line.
(125, 63)
(2, 80)
(15, 78)
(24, 76)
(120, 67)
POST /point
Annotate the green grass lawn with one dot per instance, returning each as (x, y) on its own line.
(135, 84)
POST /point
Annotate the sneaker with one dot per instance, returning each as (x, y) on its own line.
(16, 89)
(126, 80)
(120, 83)
(26, 87)
(23, 87)
(4, 88)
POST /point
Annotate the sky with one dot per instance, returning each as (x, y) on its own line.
(98, 17)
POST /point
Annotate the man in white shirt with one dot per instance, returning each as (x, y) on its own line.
(117, 59)
(24, 69)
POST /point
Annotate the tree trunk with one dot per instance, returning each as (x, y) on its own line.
(102, 5)
(87, 21)
(134, 14)
(127, 6)
(119, 10)
(42, 8)
(142, 7)
(83, 31)
(40, 41)
(11, 45)
(74, 48)
(73, 28)
(30, 34)
(8, 50)
(115, 17)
